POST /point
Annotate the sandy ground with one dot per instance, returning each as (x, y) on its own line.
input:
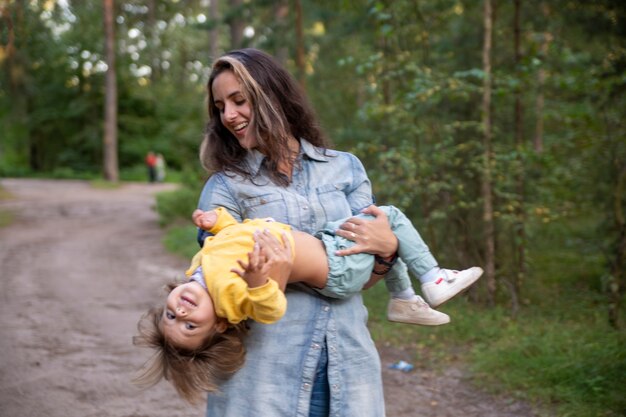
(78, 267)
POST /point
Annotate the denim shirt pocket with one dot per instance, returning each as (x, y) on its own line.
(334, 201)
(267, 205)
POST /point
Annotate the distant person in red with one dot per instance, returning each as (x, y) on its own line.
(151, 163)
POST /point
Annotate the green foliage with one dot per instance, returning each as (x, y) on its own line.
(575, 365)
(182, 240)
(176, 206)
(559, 352)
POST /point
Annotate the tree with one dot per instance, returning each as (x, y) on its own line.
(236, 24)
(214, 38)
(110, 107)
(520, 212)
(299, 23)
(486, 189)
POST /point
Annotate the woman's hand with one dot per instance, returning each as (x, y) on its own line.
(370, 236)
(278, 255)
(270, 258)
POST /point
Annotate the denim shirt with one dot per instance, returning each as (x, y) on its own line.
(281, 359)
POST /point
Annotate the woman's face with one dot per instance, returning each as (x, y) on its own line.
(234, 108)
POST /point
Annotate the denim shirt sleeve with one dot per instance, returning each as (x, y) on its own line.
(360, 195)
(276, 379)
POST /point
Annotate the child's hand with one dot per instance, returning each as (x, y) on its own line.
(205, 220)
(256, 271)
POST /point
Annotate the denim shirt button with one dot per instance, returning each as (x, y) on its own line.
(326, 308)
(316, 346)
(305, 208)
(306, 386)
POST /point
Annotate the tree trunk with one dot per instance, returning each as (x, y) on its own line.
(236, 25)
(541, 80)
(281, 11)
(486, 188)
(110, 107)
(214, 35)
(300, 62)
(153, 36)
(618, 265)
(16, 73)
(520, 222)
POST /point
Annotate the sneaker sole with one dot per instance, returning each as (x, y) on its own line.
(433, 322)
(439, 301)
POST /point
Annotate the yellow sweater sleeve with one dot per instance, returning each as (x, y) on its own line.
(231, 295)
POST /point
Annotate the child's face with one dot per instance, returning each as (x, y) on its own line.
(189, 316)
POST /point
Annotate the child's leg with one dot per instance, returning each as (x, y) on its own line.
(438, 284)
(405, 306)
(411, 247)
(348, 274)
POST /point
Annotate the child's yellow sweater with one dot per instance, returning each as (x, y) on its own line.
(233, 299)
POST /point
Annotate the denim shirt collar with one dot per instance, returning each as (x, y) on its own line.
(254, 159)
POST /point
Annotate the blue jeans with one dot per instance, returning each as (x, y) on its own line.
(320, 394)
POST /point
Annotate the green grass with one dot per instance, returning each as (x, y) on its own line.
(182, 240)
(559, 353)
(6, 217)
(105, 185)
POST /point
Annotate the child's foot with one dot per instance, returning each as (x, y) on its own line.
(448, 284)
(415, 312)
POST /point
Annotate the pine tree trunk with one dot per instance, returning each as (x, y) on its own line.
(539, 104)
(541, 80)
(300, 61)
(520, 223)
(16, 72)
(153, 36)
(236, 25)
(618, 265)
(281, 11)
(110, 107)
(486, 188)
(214, 40)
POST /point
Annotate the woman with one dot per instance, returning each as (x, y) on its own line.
(270, 159)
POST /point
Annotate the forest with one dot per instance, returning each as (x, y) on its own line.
(497, 126)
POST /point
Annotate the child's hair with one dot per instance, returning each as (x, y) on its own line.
(191, 372)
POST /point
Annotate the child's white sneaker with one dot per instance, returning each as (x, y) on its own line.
(448, 284)
(415, 312)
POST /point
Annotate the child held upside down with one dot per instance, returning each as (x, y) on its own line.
(201, 321)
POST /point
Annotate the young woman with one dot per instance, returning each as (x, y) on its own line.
(270, 159)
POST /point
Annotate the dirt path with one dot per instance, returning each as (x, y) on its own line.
(78, 267)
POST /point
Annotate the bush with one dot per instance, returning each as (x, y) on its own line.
(176, 206)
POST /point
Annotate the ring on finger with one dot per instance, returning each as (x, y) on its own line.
(353, 235)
